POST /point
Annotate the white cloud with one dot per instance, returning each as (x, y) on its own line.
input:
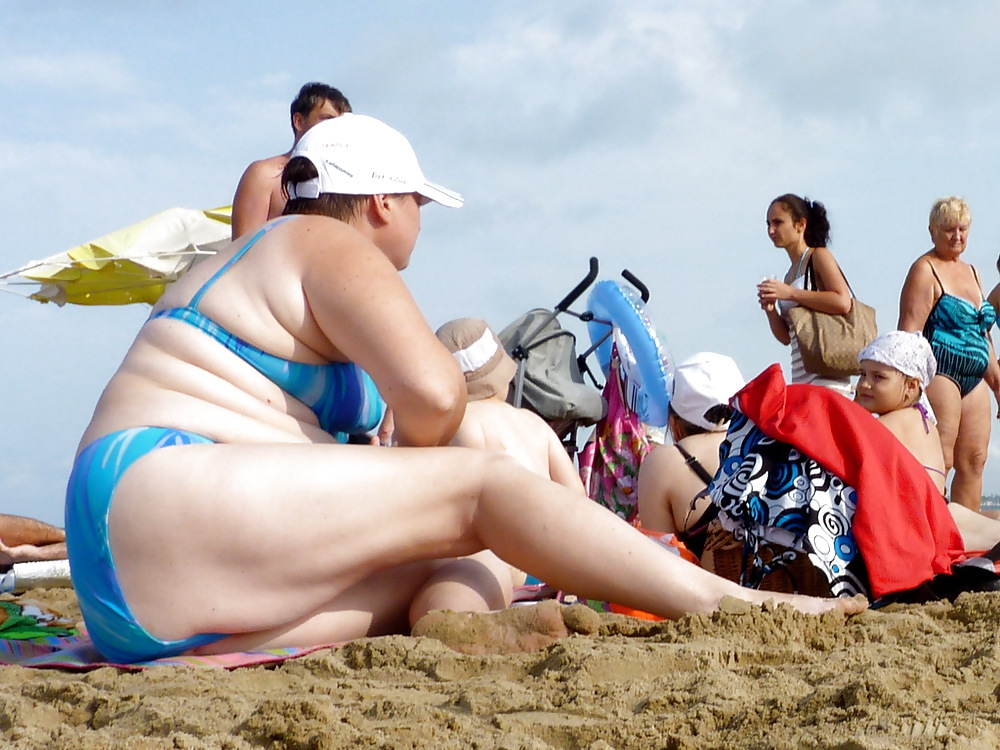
(78, 73)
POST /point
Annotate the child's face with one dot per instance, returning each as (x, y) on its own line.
(882, 388)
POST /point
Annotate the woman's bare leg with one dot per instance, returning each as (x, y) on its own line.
(946, 400)
(979, 532)
(478, 583)
(260, 538)
(971, 446)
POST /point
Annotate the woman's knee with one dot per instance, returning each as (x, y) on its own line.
(971, 459)
(498, 469)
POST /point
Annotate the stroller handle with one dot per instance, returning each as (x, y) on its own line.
(570, 298)
(634, 281)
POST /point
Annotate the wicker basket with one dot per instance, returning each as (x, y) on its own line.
(724, 556)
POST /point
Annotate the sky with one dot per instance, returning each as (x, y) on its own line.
(651, 135)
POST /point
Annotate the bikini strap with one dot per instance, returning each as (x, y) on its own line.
(936, 277)
(975, 273)
(923, 413)
(695, 465)
(193, 304)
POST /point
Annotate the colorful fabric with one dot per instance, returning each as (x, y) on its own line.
(902, 525)
(609, 463)
(769, 492)
(26, 620)
(79, 653)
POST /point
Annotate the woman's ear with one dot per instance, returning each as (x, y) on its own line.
(380, 207)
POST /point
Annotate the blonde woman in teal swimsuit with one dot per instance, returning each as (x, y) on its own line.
(213, 505)
(942, 297)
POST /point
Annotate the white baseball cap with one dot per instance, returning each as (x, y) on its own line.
(360, 155)
(702, 382)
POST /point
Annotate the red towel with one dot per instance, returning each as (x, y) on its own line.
(902, 524)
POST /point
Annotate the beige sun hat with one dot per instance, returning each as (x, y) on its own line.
(477, 349)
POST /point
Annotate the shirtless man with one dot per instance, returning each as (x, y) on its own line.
(258, 197)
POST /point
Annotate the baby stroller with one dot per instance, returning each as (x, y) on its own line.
(551, 380)
(550, 375)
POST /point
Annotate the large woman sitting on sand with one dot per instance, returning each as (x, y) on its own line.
(211, 506)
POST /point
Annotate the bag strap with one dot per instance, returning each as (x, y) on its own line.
(811, 277)
(695, 465)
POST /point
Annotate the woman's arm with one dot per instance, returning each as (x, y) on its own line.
(779, 328)
(833, 295)
(361, 304)
(916, 300)
(994, 297)
(656, 472)
(992, 376)
(561, 468)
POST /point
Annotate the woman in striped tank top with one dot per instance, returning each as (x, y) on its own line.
(800, 227)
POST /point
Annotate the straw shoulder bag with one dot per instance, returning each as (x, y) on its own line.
(830, 344)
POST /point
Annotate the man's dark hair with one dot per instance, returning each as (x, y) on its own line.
(313, 94)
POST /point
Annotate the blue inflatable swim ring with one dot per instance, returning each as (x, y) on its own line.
(646, 365)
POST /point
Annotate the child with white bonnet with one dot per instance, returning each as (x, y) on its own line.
(490, 422)
(483, 582)
(895, 370)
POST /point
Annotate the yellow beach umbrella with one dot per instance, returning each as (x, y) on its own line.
(133, 264)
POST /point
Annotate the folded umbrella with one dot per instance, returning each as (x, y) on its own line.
(133, 264)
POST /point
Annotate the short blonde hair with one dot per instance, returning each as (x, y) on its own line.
(953, 210)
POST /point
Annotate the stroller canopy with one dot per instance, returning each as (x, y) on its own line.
(553, 385)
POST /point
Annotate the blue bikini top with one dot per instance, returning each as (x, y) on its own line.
(341, 395)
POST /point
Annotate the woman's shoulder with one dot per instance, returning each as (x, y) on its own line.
(922, 268)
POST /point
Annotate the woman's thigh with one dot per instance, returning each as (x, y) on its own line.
(237, 538)
(972, 442)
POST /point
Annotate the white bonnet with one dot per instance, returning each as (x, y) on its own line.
(907, 352)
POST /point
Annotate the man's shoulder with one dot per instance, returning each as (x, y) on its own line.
(270, 166)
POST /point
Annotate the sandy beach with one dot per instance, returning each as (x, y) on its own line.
(923, 676)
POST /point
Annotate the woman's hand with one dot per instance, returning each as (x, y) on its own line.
(769, 291)
(385, 430)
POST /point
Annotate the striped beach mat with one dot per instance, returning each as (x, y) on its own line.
(77, 652)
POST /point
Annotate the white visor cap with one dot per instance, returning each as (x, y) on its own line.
(360, 155)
